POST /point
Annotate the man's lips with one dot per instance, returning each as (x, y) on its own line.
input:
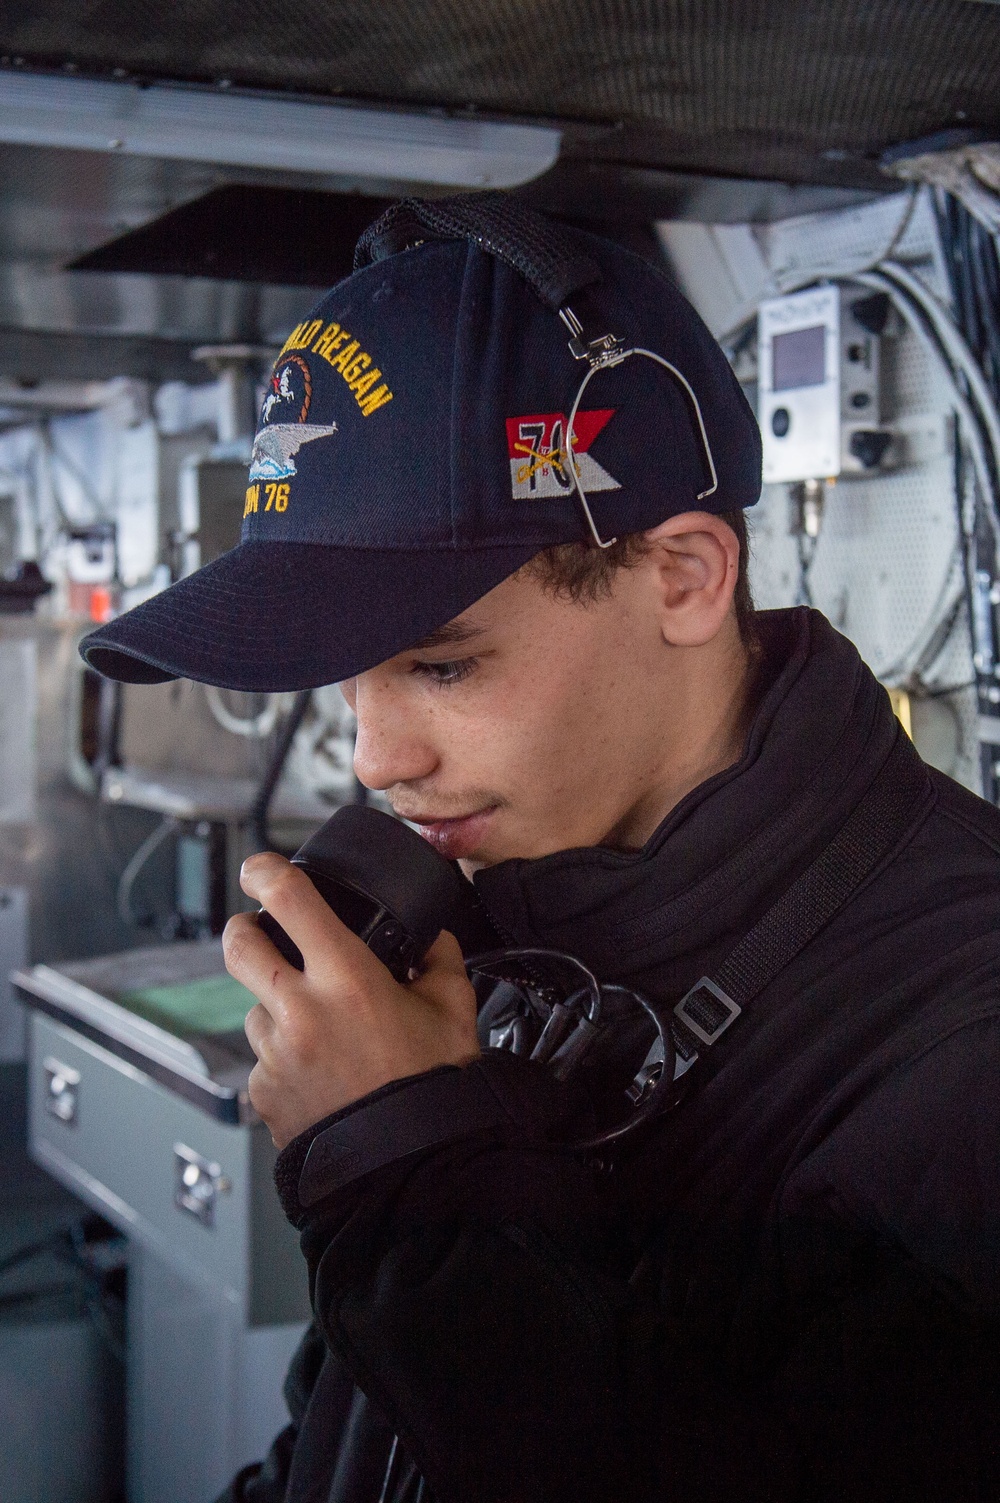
(456, 837)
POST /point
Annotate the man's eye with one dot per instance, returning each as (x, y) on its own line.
(446, 673)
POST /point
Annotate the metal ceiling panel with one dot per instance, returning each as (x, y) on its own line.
(239, 130)
(30, 357)
(56, 205)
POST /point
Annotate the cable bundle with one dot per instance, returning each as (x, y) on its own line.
(964, 341)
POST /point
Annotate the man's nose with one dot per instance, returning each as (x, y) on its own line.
(391, 746)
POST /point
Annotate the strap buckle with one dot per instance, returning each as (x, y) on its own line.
(707, 1010)
(608, 349)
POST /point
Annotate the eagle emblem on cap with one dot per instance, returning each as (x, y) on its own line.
(275, 446)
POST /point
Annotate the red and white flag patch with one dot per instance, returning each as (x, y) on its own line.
(539, 464)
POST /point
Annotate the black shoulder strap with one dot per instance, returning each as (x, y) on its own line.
(896, 802)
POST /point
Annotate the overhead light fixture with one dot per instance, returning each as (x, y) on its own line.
(254, 130)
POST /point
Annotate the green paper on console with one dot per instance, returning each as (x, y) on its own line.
(214, 1004)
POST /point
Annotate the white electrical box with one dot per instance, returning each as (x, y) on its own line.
(820, 384)
(800, 387)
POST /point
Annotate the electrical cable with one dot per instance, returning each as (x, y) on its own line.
(261, 805)
(904, 224)
(943, 614)
(970, 336)
(964, 345)
(925, 319)
(110, 708)
(78, 473)
(970, 320)
(819, 270)
(167, 826)
(892, 277)
(32, 1250)
(966, 349)
(973, 429)
(959, 488)
(941, 635)
(43, 457)
(944, 207)
(69, 1244)
(957, 347)
(984, 687)
(54, 524)
(936, 332)
(982, 257)
(806, 550)
(35, 1293)
(733, 338)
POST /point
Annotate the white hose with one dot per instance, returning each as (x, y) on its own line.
(255, 726)
(149, 847)
(971, 432)
(958, 350)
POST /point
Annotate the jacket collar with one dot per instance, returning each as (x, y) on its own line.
(653, 917)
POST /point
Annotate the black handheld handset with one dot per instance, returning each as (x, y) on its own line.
(397, 894)
(384, 881)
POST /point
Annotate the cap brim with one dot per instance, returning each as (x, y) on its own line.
(271, 616)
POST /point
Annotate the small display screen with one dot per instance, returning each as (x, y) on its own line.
(799, 358)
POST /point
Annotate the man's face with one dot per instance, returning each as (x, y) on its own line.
(525, 726)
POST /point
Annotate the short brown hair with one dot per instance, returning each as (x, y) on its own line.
(582, 573)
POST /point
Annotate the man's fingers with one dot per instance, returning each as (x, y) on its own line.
(443, 979)
(264, 875)
(252, 959)
(444, 957)
(259, 1028)
(292, 900)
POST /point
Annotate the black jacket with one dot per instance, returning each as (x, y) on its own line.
(789, 1287)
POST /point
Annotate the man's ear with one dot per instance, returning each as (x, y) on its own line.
(694, 562)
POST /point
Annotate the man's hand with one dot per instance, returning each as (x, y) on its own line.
(343, 1027)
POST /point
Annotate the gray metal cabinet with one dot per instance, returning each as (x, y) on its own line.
(134, 1121)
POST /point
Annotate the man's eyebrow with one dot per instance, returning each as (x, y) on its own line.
(452, 634)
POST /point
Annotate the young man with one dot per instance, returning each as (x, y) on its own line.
(784, 1285)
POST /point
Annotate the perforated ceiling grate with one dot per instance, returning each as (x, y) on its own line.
(774, 88)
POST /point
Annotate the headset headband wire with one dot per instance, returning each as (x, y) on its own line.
(604, 362)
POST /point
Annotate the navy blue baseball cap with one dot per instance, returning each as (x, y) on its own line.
(412, 449)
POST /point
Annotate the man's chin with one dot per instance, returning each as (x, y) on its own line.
(503, 846)
(482, 859)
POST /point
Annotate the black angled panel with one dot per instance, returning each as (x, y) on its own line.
(246, 232)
